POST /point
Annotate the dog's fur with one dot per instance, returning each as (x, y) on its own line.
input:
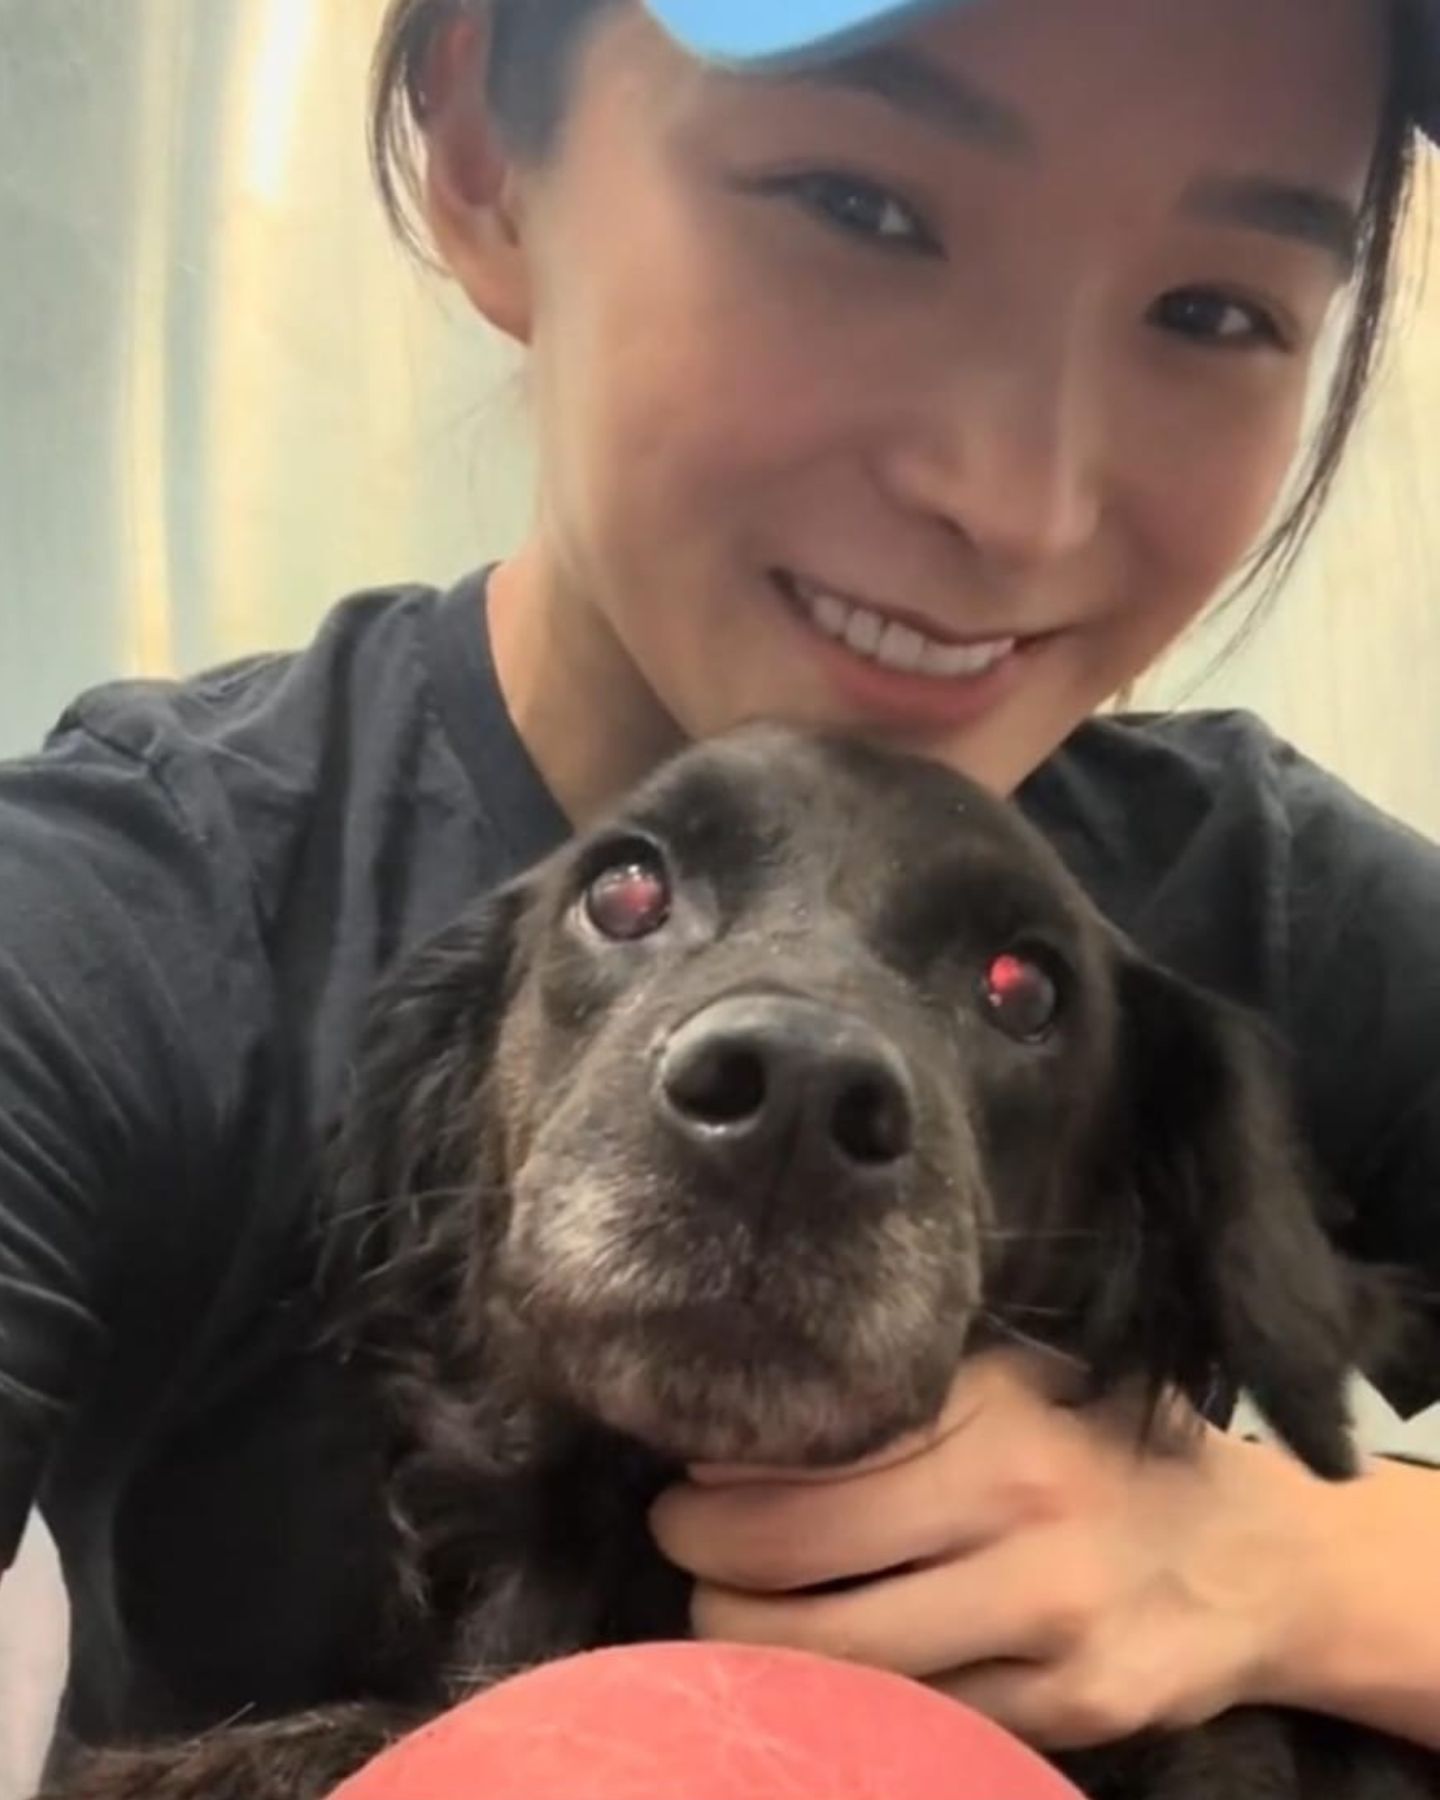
(560, 1299)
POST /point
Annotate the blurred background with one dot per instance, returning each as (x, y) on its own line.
(226, 399)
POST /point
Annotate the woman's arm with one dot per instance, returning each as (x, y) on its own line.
(116, 969)
(1366, 1645)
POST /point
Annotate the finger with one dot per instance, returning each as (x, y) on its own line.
(1000, 1456)
(1022, 1380)
(1055, 1706)
(1028, 1597)
(958, 1410)
(986, 1381)
(776, 1536)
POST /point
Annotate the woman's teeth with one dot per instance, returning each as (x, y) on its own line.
(891, 644)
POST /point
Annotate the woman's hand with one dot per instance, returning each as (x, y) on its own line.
(1024, 1556)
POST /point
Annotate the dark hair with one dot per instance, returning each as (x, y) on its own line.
(531, 47)
(532, 44)
(1382, 217)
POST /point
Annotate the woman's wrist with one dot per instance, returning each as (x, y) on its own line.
(1363, 1639)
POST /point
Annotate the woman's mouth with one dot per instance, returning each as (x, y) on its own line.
(895, 669)
(889, 642)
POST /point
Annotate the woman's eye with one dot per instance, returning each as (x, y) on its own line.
(1207, 316)
(858, 207)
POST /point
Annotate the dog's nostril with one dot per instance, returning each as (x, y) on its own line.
(871, 1122)
(769, 1080)
(724, 1087)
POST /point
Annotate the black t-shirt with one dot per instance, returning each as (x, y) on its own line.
(199, 882)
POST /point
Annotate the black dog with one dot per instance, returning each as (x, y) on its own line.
(726, 1135)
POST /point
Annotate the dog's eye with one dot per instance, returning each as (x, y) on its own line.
(1020, 997)
(629, 900)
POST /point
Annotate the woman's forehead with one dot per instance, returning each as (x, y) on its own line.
(1144, 97)
(787, 35)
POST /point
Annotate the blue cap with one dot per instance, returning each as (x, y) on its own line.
(779, 34)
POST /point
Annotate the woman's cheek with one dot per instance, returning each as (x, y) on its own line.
(1215, 474)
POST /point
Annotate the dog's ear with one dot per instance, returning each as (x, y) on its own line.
(1231, 1274)
(405, 1143)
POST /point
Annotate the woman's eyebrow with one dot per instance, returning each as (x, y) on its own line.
(922, 88)
(1285, 209)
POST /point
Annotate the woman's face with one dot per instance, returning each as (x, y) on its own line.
(931, 395)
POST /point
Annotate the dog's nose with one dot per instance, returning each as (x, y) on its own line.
(766, 1076)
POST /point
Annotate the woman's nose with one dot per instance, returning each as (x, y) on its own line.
(1008, 452)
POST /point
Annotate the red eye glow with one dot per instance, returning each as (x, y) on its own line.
(1021, 998)
(629, 901)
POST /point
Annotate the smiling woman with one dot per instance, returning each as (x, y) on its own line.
(1044, 353)
(924, 387)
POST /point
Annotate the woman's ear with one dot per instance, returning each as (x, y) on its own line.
(471, 191)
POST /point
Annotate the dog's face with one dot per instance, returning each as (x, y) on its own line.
(794, 1038)
(811, 1069)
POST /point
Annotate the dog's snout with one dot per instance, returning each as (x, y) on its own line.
(771, 1077)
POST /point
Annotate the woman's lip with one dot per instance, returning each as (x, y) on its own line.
(798, 588)
(895, 699)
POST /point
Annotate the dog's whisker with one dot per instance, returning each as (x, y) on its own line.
(1025, 1340)
(386, 1205)
(1025, 1309)
(464, 1679)
(1020, 1234)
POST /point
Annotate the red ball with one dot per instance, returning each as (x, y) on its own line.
(693, 1721)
